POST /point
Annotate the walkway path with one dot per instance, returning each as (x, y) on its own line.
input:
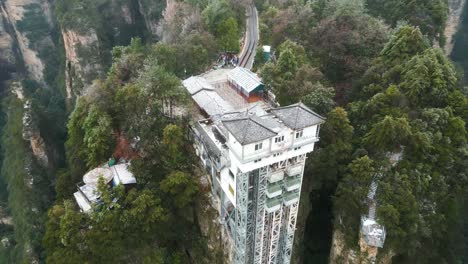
(247, 55)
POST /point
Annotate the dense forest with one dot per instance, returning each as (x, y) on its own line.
(373, 68)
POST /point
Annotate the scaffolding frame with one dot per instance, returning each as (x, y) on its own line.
(261, 236)
(275, 233)
(240, 239)
(260, 215)
(288, 237)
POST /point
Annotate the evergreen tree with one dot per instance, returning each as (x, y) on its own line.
(228, 33)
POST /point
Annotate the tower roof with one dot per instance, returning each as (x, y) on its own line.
(248, 130)
(297, 116)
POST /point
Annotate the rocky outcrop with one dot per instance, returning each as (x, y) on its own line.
(7, 54)
(340, 252)
(31, 133)
(152, 13)
(80, 70)
(454, 18)
(179, 19)
(15, 11)
(364, 254)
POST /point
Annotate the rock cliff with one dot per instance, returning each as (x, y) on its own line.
(360, 254)
(7, 54)
(19, 47)
(21, 15)
(453, 22)
(80, 71)
(179, 19)
(88, 36)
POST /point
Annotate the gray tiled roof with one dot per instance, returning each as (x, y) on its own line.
(246, 130)
(297, 116)
(196, 84)
(212, 103)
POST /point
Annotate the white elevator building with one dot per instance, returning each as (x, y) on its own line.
(255, 156)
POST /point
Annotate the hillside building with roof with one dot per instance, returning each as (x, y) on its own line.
(88, 195)
(255, 156)
(246, 83)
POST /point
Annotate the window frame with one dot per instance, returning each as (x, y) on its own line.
(279, 139)
(259, 146)
(300, 134)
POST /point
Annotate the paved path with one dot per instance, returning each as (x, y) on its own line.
(247, 55)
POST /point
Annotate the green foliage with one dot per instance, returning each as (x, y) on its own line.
(292, 77)
(173, 140)
(351, 195)
(228, 34)
(42, 38)
(97, 136)
(34, 24)
(137, 100)
(28, 185)
(216, 12)
(320, 98)
(294, 21)
(404, 107)
(329, 162)
(428, 79)
(406, 42)
(429, 16)
(181, 186)
(192, 56)
(388, 134)
(346, 43)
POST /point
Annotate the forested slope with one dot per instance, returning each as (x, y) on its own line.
(52, 53)
(390, 92)
(78, 77)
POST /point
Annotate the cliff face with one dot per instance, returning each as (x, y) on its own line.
(32, 134)
(22, 15)
(179, 19)
(453, 22)
(362, 254)
(80, 71)
(7, 54)
(89, 33)
(339, 252)
(152, 13)
(20, 46)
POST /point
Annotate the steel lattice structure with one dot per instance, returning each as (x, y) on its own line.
(272, 236)
(255, 162)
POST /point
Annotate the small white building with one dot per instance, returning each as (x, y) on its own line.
(88, 194)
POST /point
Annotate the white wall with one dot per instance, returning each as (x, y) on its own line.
(250, 152)
(234, 145)
(227, 181)
(288, 137)
(307, 133)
